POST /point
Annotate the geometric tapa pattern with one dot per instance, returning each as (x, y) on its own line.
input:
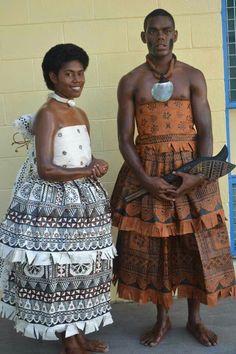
(46, 300)
(56, 255)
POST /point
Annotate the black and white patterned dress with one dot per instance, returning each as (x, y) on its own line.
(56, 246)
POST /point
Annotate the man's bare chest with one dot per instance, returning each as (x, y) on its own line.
(143, 91)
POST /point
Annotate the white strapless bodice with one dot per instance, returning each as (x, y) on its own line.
(72, 147)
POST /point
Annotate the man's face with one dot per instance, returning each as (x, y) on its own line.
(159, 36)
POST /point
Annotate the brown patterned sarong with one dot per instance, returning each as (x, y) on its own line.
(162, 245)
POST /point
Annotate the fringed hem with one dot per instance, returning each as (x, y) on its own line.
(142, 297)
(207, 299)
(47, 258)
(182, 291)
(6, 268)
(38, 331)
(204, 222)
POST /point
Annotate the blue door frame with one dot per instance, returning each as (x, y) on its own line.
(228, 105)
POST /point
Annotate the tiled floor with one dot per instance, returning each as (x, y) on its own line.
(130, 321)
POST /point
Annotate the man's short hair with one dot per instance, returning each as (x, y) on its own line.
(158, 12)
(60, 54)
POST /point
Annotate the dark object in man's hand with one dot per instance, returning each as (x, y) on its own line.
(211, 167)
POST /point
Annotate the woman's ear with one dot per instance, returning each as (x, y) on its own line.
(53, 77)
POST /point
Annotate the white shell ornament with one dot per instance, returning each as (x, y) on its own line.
(162, 91)
(71, 103)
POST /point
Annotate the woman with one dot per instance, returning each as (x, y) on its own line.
(55, 242)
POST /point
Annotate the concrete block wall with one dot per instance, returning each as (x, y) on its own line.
(109, 30)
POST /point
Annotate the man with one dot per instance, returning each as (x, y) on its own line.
(174, 237)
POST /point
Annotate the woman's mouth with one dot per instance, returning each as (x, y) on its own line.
(76, 88)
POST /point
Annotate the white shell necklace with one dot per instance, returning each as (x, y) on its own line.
(71, 102)
(163, 89)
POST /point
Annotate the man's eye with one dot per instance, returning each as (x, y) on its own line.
(151, 31)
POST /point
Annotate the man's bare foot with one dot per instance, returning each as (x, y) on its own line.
(158, 332)
(204, 335)
(70, 345)
(92, 345)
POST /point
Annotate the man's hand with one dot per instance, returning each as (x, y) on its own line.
(160, 189)
(189, 182)
(98, 168)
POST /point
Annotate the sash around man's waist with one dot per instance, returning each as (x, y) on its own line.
(155, 139)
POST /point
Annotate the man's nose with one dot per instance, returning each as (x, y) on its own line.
(160, 34)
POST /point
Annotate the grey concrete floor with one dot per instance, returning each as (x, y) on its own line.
(130, 321)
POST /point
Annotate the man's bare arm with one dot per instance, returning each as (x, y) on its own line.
(126, 126)
(202, 120)
(201, 114)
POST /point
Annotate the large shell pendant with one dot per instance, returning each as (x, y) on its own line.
(162, 91)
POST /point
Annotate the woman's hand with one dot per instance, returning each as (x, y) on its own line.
(98, 168)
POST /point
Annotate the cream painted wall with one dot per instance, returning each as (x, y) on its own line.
(109, 30)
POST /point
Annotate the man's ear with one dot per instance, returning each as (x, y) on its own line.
(53, 77)
(143, 37)
(175, 36)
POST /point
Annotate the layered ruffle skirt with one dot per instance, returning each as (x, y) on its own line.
(56, 257)
(169, 247)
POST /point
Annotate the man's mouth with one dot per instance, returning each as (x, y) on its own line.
(161, 46)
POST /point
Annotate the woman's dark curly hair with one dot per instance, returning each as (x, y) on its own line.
(60, 54)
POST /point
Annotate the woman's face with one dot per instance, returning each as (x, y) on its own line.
(70, 79)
